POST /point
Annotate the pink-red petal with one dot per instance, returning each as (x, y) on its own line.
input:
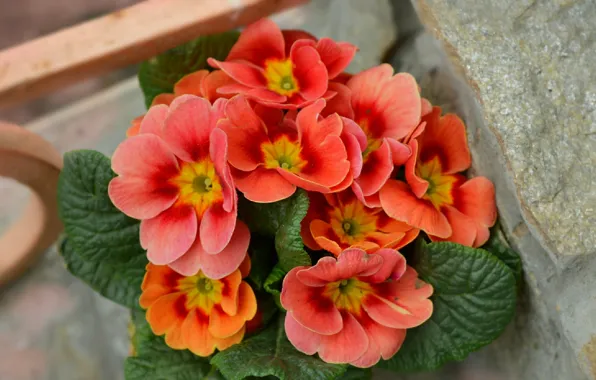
(169, 235)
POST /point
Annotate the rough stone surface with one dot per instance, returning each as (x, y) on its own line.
(519, 73)
(532, 63)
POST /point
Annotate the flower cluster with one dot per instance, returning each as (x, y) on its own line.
(380, 164)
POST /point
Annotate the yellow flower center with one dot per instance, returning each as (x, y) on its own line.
(199, 185)
(283, 153)
(201, 292)
(347, 294)
(440, 185)
(280, 77)
(352, 222)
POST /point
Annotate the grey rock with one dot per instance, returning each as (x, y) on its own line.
(519, 74)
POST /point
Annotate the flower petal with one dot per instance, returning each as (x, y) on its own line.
(341, 102)
(400, 203)
(191, 84)
(166, 313)
(145, 156)
(476, 199)
(196, 334)
(309, 306)
(154, 119)
(215, 266)
(394, 264)
(188, 126)
(242, 72)
(169, 235)
(310, 72)
(263, 185)
(347, 345)
(350, 263)
(418, 185)
(305, 340)
(463, 227)
(335, 55)
(245, 132)
(222, 325)
(259, 42)
(446, 137)
(218, 152)
(212, 82)
(376, 170)
(136, 198)
(384, 342)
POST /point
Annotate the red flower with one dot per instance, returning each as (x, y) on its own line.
(200, 83)
(354, 309)
(436, 198)
(174, 176)
(387, 108)
(335, 222)
(273, 156)
(197, 312)
(288, 72)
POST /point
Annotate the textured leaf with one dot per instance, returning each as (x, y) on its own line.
(154, 360)
(498, 247)
(103, 244)
(474, 300)
(160, 73)
(121, 283)
(273, 284)
(354, 373)
(271, 354)
(262, 256)
(96, 228)
(281, 220)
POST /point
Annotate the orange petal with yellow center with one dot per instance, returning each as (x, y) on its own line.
(196, 334)
(166, 313)
(152, 294)
(445, 136)
(174, 337)
(222, 325)
(229, 300)
(400, 203)
(223, 344)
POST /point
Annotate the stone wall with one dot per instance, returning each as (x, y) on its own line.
(521, 74)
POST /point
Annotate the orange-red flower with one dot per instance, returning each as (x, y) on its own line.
(200, 83)
(354, 309)
(335, 222)
(387, 108)
(175, 178)
(196, 312)
(272, 156)
(285, 70)
(437, 198)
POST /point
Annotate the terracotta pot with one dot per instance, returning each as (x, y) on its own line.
(34, 162)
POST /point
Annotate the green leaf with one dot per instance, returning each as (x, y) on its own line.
(154, 360)
(159, 74)
(103, 244)
(354, 373)
(121, 283)
(271, 354)
(282, 220)
(273, 284)
(97, 230)
(474, 300)
(498, 247)
(262, 257)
